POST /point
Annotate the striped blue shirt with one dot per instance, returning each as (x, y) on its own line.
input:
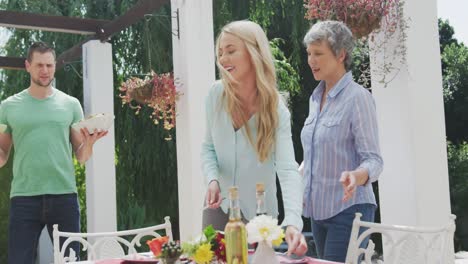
(341, 137)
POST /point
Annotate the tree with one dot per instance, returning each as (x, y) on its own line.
(455, 79)
(458, 167)
(446, 33)
(455, 82)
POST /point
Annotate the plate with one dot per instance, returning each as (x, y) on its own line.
(3, 128)
(139, 258)
(139, 261)
(97, 122)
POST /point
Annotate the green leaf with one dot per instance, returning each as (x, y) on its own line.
(209, 232)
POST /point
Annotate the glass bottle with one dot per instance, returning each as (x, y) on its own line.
(260, 194)
(235, 233)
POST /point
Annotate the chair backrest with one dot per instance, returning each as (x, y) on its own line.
(403, 244)
(107, 244)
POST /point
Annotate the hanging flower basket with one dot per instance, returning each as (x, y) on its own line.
(367, 19)
(157, 91)
(142, 92)
(361, 16)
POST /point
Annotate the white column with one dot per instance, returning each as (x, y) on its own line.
(98, 97)
(414, 188)
(194, 65)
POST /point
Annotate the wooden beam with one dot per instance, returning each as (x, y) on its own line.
(102, 29)
(71, 54)
(132, 16)
(51, 23)
(12, 63)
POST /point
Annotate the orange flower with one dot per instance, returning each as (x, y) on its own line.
(156, 244)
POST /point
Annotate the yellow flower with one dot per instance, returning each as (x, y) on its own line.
(203, 255)
(276, 242)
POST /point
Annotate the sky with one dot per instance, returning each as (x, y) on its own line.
(453, 10)
(3, 39)
(456, 13)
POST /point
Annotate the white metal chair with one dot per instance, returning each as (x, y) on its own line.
(107, 244)
(403, 244)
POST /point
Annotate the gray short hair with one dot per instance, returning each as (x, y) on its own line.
(336, 34)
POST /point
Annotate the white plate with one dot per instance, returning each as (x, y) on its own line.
(141, 258)
(98, 122)
(3, 128)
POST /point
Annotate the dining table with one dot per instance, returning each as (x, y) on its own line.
(282, 259)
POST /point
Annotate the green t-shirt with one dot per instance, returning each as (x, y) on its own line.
(40, 131)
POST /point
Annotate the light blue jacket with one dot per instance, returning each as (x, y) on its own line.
(228, 157)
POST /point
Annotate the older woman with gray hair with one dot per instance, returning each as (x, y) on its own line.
(340, 142)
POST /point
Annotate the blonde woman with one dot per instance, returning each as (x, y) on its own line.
(248, 134)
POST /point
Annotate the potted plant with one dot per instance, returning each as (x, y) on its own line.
(362, 16)
(157, 91)
(365, 18)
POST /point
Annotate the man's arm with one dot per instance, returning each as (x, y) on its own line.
(83, 142)
(5, 147)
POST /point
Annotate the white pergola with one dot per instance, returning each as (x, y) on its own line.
(413, 187)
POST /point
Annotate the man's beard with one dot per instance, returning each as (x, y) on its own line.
(38, 82)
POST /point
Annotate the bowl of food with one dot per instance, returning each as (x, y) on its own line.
(96, 122)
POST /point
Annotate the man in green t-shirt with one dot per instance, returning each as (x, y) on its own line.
(43, 190)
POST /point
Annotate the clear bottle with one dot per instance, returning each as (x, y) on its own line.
(260, 194)
(235, 233)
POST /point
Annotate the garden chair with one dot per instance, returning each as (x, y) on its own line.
(106, 245)
(403, 244)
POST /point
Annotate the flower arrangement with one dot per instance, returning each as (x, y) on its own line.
(170, 252)
(156, 244)
(167, 251)
(209, 247)
(157, 91)
(264, 228)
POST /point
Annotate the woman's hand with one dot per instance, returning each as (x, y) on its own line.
(351, 180)
(296, 241)
(213, 195)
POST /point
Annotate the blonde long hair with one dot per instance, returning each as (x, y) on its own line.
(258, 48)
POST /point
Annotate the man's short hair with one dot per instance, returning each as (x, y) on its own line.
(40, 47)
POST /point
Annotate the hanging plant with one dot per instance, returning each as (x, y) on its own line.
(157, 91)
(366, 18)
(361, 16)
